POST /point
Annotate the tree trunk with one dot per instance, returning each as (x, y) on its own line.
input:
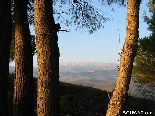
(127, 58)
(48, 101)
(5, 41)
(23, 80)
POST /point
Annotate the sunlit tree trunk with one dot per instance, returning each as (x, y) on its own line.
(127, 58)
(23, 80)
(5, 41)
(48, 103)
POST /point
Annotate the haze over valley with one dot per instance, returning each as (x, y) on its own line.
(94, 74)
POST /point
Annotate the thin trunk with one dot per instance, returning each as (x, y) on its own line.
(23, 80)
(5, 41)
(127, 58)
(48, 103)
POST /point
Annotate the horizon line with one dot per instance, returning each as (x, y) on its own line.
(77, 62)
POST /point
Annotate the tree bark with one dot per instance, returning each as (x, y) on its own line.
(23, 80)
(127, 58)
(48, 100)
(5, 41)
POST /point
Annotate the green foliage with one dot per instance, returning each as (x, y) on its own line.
(77, 100)
(151, 5)
(144, 64)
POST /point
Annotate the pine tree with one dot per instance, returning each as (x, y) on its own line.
(144, 64)
(48, 100)
(23, 80)
(48, 52)
(127, 58)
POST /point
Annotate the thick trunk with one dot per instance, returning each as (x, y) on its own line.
(23, 80)
(127, 58)
(5, 41)
(48, 59)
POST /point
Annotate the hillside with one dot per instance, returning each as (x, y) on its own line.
(103, 79)
(77, 100)
(94, 74)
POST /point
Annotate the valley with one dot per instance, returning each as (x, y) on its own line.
(93, 74)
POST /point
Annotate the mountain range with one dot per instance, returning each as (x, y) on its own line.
(78, 67)
(86, 73)
(95, 74)
(85, 66)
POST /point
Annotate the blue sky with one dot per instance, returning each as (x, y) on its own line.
(101, 46)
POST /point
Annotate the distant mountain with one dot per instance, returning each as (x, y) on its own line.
(94, 74)
(79, 66)
(86, 66)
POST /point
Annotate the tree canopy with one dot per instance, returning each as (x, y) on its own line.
(144, 64)
(81, 13)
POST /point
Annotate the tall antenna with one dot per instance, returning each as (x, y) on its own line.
(119, 35)
(119, 52)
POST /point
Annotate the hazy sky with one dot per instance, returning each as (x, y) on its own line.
(101, 46)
